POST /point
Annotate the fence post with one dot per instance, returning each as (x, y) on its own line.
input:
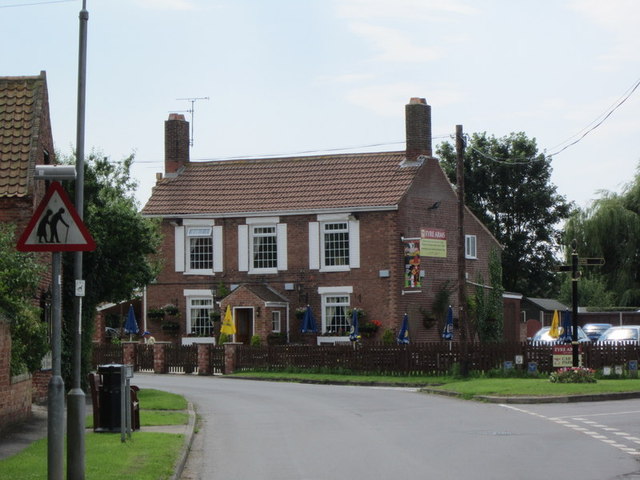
(129, 354)
(230, 357)
(159, 358)
(204, 358)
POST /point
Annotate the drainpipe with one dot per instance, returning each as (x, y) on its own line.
(287, 322)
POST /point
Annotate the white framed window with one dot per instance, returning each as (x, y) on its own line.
(198, 247)
(334, 243)
(276, 321)
(470, 246)
(262, 245)
(335, 303)
(199, 308)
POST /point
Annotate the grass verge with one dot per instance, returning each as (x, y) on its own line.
(468, 388)
(147, 456)
(535, 387)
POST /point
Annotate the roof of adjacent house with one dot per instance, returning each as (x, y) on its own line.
(21, 103)
(313, 183)
(548, 304)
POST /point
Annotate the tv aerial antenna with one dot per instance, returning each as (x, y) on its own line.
(193, 101)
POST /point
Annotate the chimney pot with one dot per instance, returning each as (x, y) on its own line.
(418, 128)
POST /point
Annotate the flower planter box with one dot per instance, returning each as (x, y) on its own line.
(194, 340)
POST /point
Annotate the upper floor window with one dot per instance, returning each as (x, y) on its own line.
(470, 246)
(334, 243)
(198, 247)
(262, 245)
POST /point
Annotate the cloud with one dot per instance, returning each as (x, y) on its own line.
(620, 18)
(395, 46)
(402, 9)
(168, 4)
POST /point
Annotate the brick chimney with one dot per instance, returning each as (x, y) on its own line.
(418, 128)
(176, 143)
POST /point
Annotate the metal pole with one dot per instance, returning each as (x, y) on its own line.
(55, 415)
(574, 303)
(76, 397)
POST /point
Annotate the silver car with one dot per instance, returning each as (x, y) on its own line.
(624, 333)
(543, 336)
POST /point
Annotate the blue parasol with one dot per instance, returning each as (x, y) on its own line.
(447, 333)
(403, 335)
(131, 325)
(308, 322)
(567, 328)
(355, 330)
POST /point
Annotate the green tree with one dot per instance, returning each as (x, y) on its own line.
(487, 304)
(19, 277)
(610, 228)
(508, 187)
(124, 260)
(592, 292)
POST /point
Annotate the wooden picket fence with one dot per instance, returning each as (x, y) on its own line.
(436, 358)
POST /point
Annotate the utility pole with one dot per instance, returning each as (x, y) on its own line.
(462, 296)
(76, 398)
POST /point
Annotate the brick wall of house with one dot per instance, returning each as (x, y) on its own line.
(15, 393)
(432, 187)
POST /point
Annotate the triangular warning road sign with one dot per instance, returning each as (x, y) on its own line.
(56, 226)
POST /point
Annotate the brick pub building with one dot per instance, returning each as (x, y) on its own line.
(374, 231)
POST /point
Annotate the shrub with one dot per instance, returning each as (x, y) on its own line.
(573, 375)
(388, 337)
(224, 338)
(256, 341)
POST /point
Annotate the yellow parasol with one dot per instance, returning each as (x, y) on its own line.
(554, 332)
(228, 326)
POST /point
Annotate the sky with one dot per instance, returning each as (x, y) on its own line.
(292, 77)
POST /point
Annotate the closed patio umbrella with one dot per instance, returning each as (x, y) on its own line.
(567, 327)
(355, 330)
(228, 326)
(308, 322)
(554, 331)
(403, 335)
(131, 325)
(447, 332)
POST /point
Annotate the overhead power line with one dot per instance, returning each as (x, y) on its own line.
(602, 118)
(44, 2)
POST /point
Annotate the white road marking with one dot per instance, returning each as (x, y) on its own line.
(573, 422)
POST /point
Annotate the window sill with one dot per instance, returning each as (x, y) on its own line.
(192, 340)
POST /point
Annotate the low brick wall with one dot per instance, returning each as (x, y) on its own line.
(40, 381)
(15, 392)
(15, 401)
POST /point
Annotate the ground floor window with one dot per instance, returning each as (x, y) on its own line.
(335, 319)
(199, 316)
(276, 321)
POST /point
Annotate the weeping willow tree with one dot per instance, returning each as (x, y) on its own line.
(610, 228)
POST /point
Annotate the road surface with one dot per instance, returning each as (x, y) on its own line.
(288, 431)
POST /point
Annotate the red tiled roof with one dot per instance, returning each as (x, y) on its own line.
(283, 184)
(20, 105)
